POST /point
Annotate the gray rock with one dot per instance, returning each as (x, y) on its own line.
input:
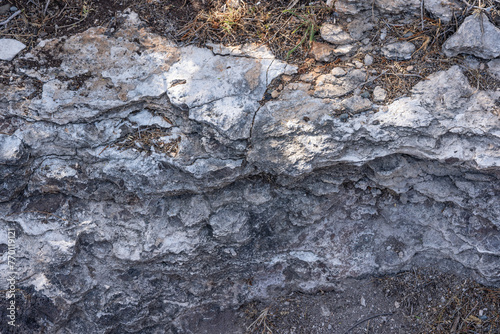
(9, 48)
(357, 104)
(476, 36)
(358, 27)
(338, 72)
(368, 60)
(379, 94)
(335, 34)
(494, 68)
(443, 10)
(398, 50)
(399, 6)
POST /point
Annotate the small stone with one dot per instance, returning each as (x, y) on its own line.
(13, 9)
(398, 6)
(379, 94)
(476, 36)
(357, 104)
(410, 68)
(397, 304)
(358, 27)
(9, 48)
(338, 72)
(322, 52)
(275, 94)
(398, 50)
(335, 34)
(368, 60)
(344, 117)
(344, 49)
(365, 95)
(363, 301)
(358, 64)
(383, 34)
(443, 10)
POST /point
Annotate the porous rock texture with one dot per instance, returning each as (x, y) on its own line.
(149, 182)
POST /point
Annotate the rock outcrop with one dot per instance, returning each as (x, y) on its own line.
(146, 180)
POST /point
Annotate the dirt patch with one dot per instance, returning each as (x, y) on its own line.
(413, 302)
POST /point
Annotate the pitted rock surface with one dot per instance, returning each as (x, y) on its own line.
(145, 179)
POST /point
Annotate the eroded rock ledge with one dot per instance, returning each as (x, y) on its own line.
(145, 180)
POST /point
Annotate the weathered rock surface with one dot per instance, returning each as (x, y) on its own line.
(476, 36)
(145, 180)
(9, 48)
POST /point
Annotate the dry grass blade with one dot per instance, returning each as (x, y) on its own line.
(261, 322)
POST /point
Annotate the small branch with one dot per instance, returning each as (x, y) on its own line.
(46, 6)
(369, 318)
(10, 18)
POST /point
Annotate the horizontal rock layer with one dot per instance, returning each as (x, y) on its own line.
(145, 179)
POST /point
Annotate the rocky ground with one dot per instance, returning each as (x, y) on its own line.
(347, 147)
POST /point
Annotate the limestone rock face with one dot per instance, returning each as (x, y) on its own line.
(476, 36)
(145, 180)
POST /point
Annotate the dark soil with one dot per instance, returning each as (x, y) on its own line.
(414, 302)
